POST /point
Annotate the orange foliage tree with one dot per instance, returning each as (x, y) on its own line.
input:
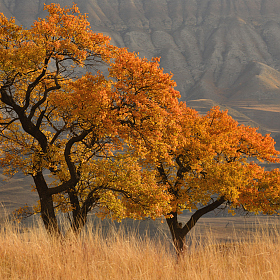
(83, 134)
(97, 126)
(213, 167)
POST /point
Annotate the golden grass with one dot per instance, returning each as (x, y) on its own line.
(31, 254)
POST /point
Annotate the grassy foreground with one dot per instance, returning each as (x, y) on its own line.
(31, 254)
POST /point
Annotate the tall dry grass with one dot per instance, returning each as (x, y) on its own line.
(31, 254)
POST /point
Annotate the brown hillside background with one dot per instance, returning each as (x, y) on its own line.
(224, 52)
(221, 52)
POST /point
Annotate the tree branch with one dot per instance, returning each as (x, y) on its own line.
(163, 175)
(67, 152)
(199, 213)
(35, 83)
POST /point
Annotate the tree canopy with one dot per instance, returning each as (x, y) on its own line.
(80, 115)
(213, 166)
(98, 126)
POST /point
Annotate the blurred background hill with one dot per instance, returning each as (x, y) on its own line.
(221, 52)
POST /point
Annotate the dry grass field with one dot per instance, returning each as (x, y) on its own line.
(30, 254)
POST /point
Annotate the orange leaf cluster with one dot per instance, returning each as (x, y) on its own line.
(215, 160)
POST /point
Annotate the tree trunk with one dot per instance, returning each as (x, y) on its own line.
(178, 236)
(78, 217)
(179, 233)
(47, 208)
(78, 222)
(80, 212)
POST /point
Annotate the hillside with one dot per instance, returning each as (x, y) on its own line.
(227, 51)
(221, 52)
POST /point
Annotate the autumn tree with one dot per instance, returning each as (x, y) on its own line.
(213, 167)
(83, 117)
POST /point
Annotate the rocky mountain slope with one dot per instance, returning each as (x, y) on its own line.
(223, 52)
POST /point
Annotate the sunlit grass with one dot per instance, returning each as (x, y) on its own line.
(31, 254)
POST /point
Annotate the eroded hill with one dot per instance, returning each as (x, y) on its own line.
(220, 51)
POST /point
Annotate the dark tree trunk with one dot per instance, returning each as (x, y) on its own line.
(179, 233)
(178, 236)
(78, 218)
(80, 212)
(78, 222)
(47, 207)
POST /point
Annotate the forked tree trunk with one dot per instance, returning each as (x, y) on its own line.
(178, 236)
(80, 212)
(79, 216)
(46, 202)
(179, 232)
